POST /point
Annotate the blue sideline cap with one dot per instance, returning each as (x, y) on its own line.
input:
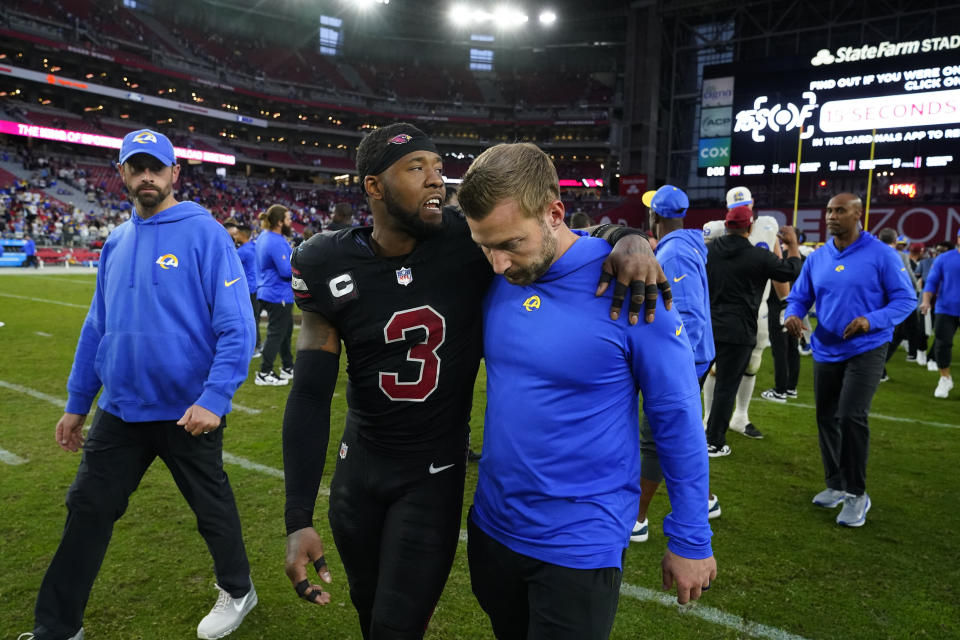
(147, 141)
(667, 202)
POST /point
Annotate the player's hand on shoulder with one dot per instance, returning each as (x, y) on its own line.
(692, 577)
(634, 266)
(69, 431)
(304, 547)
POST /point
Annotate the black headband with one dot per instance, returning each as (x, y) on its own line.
(397, 147)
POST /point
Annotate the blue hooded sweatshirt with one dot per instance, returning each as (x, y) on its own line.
(683, 256)
(945, 275)
(559, 480)
(273, 268)
(248, 256)
(865, 279)
(170, 323)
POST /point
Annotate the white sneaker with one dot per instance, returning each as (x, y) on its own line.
(286, 373)
(932, 365)
(713, 508)
(268, 379)
(922, 358)
(943, 387)
(641, 531)
(29, 636)
(227, 614)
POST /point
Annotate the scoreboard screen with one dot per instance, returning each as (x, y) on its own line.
(901, 97)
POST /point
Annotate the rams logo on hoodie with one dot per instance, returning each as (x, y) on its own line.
(168, 260)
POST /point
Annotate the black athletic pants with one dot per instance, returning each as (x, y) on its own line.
(116, 454)
(911, 330)
(944, 327)
(528, 599)
(783, 347)
(31, 261)
(732, 361)
(279, 332)
(843, 392)
(396, 523)
(255, 303)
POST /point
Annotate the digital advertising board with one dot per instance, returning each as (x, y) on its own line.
(901, 97)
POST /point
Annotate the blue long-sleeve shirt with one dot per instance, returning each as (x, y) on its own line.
(170, 323)
(683, 256)
(945, 274)
(248, 258)
(865, 279)
(560, 475)
(273, 268)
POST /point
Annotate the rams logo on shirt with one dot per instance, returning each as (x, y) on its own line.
(839, 268)
(531, 303)
(168, 260)
(144, 137)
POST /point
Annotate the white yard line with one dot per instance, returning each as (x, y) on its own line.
(10, 458)
(45, 301)
(880, 416)
(43, 334)
(709, 614)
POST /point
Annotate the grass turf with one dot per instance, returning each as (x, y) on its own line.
(785, 569)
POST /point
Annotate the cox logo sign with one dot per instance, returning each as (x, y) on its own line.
(714, 152)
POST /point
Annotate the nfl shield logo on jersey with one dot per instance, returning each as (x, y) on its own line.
(404, 276)
(343, 450)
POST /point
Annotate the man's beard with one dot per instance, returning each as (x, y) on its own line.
(409, 221)
(286, 229)
(526, 275)
(151, 199)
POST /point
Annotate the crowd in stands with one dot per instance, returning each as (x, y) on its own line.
(30, 206)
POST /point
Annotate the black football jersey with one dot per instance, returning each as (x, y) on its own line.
(411, 327)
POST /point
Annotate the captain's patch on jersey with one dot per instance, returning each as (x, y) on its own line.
(298, 284)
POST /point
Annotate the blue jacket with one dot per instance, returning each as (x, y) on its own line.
(559, 479)
(273, 268)
(170, 323)
(866, 279)
(29, 247)
(248, 257)
(683, 256)
(945, 274)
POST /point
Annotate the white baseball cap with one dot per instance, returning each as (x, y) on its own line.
(739, 197)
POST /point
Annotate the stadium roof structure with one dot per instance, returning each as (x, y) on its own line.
(579, 23)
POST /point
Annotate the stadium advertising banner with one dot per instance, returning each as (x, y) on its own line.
(908, 92)
(107, 142)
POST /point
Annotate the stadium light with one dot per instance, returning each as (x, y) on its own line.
(460, 15)
(547, 18)
(501, 16)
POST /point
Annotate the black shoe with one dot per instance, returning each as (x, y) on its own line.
(472, 456)
(752, 432)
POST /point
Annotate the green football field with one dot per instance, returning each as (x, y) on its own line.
(786, 570)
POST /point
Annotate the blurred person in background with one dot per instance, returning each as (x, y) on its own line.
(275, 295)
(342, 217)
(944, 281)
(861, 295)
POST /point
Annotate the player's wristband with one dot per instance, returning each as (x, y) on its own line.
(297, 518)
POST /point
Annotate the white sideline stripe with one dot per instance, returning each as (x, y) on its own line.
(709, 614)
(45, 301)
(61, 402)
(227, 457)
(243, 409)
(10, 458)
(43, 334)
(251, 465)
(880, 416)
